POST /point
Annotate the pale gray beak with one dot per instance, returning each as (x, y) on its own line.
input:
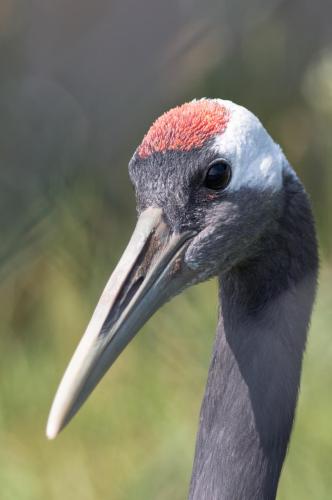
(150, 271)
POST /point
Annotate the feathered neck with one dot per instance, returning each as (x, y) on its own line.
(251, 393)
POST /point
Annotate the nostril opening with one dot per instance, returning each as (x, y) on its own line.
(123, 301)
(131, 292)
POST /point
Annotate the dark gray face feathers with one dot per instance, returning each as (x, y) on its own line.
(228, 221)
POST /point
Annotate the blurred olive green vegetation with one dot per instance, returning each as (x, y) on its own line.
(71, 114)
(135, 437)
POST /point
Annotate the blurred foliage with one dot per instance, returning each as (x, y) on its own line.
(135, 437)
(79, 84)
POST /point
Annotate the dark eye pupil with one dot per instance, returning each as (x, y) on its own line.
(218, 176)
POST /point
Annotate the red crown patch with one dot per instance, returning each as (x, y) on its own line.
(185, 127)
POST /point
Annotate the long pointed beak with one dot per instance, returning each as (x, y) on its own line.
(150, 271)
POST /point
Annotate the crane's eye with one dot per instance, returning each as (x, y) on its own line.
(218, 175)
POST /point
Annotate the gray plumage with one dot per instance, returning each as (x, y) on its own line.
(268, 255)
(250, 399)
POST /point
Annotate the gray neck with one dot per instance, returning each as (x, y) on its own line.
(249, 404)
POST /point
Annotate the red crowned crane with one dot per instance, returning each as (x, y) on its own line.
(215, 197)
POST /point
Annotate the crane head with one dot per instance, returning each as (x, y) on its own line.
(208, 181)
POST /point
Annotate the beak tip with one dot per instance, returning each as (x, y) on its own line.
(52, 429)
(51, 432)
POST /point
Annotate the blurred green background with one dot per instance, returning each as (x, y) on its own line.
(80, 82)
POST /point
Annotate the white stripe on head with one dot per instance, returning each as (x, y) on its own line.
(256, 160)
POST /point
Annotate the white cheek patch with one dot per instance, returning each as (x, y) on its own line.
(257, 161)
